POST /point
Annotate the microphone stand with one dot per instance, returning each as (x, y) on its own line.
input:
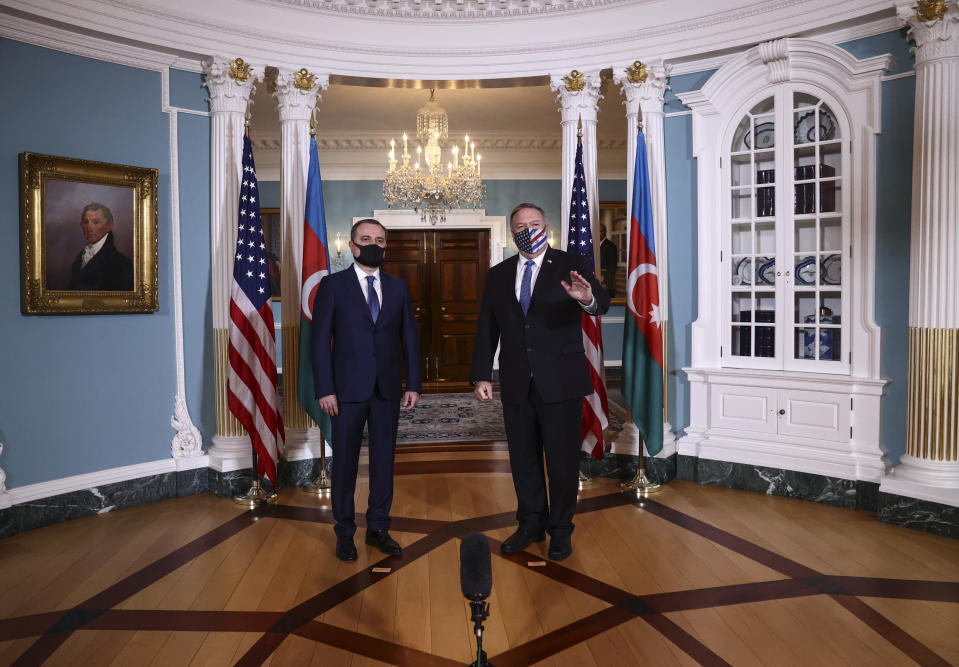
(480, 611)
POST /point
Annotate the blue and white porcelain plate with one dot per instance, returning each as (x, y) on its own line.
(744, 271)
(832, 270)
(765, 136)
(806, 271)
(804, 131)
(767, 270)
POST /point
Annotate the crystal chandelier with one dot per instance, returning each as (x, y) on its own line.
(427, 189)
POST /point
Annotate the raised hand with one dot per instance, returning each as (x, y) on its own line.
(578, 288)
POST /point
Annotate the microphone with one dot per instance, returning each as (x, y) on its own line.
(476, 574)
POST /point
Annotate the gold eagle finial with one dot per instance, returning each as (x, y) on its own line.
(303, 79)
(575, 81)
(239, 70)
(930, 10)
(636, 73)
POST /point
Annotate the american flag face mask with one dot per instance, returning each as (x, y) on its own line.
(530, 240)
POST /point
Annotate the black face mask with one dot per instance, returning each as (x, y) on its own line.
(370, 255)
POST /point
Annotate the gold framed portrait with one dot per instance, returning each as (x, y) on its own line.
(88, 236)
(613, 230)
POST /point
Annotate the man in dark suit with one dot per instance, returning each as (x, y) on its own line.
(608, 259)
(532, 307)
(100, 266)
(362, 325)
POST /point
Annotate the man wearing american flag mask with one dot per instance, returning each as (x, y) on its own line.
(532, 308)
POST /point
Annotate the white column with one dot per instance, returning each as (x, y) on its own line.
(231, 83)
(578, 95)
(930, 468)
(645, 86)
(297, 94)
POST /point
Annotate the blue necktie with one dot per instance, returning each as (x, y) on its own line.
(371, 298)
(525, 293)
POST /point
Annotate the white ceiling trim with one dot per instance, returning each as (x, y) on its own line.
(76, 42)
(480, 49)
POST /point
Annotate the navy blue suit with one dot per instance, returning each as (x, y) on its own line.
(361, 362)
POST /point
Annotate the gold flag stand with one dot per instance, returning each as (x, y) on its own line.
(256, 495)
(322, 484)
(640, 484)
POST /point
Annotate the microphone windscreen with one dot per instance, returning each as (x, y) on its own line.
(476, 574)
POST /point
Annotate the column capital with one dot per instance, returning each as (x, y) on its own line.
(578, 94)
(297, 92)
(3, 475)
(933, 26)
(231, 83)
(645, 84)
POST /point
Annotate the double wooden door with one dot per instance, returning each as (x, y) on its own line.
(446, 272)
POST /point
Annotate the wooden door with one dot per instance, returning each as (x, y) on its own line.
(445, 271)
(460, 260)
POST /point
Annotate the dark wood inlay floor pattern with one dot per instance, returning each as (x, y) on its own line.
(98, 612)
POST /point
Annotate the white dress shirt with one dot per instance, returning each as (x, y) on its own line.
(364, 285)
(537, 265)
(91, 249)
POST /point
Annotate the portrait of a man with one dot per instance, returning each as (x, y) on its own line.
(90, 236)
(100, 266)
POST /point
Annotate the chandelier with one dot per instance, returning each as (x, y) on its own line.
(422, 185)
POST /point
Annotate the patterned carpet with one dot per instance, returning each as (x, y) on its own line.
(461, 418)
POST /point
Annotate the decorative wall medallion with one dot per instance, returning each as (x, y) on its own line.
(239, 70)
(575, 81)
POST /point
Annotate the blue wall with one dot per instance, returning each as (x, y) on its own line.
(76, 399)
(96, 392)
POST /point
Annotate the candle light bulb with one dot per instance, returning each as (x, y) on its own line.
(404, 136)
(392, 144)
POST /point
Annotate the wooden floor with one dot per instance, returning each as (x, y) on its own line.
(698, 575)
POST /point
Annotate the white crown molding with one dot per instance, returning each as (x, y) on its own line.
(448, 9)
(74, 41)
(78, 41)
(372, 46)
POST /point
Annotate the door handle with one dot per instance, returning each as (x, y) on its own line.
(782, 411)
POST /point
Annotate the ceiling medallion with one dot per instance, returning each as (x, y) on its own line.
(303, 80)
(931, 10)
(428, 190)
(575, 81)
(636, 73)
(239, 70)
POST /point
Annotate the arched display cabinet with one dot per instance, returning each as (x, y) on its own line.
(785, 349)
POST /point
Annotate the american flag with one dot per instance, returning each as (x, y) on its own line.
(252, 394)
(595, 406)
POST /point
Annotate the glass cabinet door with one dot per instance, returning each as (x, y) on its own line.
(752, 237)
(818, 232)
(785, 237)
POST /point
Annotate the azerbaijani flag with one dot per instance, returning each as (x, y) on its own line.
(316, 265)
(643, 340)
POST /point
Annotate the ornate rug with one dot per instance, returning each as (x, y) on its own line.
(461, 418)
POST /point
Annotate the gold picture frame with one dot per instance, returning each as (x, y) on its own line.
(88, 236)
(612, 215)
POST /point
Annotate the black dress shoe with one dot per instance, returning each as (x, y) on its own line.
(521, 539)
(381, 540)
(560, 547)
(345, 549)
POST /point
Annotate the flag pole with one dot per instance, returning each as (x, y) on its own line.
(641, 485)
(585, 479)
(322, 484)
(256, 495)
